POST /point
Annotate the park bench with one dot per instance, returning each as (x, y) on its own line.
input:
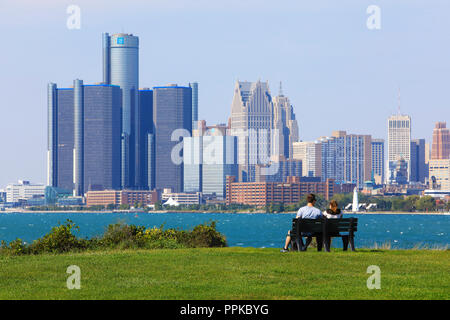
(323, 230)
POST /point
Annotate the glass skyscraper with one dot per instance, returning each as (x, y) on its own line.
(84, 136)
(194, 87)
(121, 68)
(147, 180)
(172, 110)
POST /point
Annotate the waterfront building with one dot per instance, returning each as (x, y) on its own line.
(441, 142)
(147, 153)
(285, 126)
(310, 154)
(378, 161)
(207, 161)
(84, 136)
(418, 167)
(119, 197)
(121, 68)
(251, 122)
(172, 119)
(181, 197)
(194, 87)
(23, 190)
(264, 193)
(347, 158)
(439, 173)
(399, 143)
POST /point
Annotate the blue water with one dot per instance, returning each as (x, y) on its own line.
(245, 230)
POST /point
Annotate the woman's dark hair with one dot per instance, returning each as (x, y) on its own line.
(311, 198)
(334, 205)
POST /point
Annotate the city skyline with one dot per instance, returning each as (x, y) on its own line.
(311, 91)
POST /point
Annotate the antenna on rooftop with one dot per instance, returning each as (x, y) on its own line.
(399, 101)
(280, 92)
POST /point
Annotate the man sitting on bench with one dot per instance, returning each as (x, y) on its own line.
(306, 212)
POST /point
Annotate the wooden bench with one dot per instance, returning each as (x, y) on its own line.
(323, 230)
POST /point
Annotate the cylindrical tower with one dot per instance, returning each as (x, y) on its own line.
(78, 151)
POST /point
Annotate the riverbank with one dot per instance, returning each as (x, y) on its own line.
(198, 211)
(228, 273)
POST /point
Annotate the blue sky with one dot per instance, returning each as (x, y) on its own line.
(338, 74)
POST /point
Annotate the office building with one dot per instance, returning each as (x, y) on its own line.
(439, 173)
(285, 126)
(418, 166)
(399, 144)
(194, 87)
(207, 162)
(169, 197)
(147, 154)
(310, 154)
(347, 158)
(172, 119)
(251, 121)
(283, 168)
(84, 137)
(120, 197)
(264, 193)
(121, 68)
(441, 142)
(378, 161)
(23, 190)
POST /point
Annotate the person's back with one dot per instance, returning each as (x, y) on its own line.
(309, 212)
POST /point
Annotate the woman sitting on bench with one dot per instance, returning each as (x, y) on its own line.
(333, 212)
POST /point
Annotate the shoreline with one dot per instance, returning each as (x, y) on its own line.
(202, 212)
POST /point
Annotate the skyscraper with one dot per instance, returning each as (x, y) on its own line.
(172, 110)
(310, 154)
(147, 154)
(441, 142)
(418, 167)
(251, 122)
(194, 87)
(378, 161)
(121, 68)
(399, 143)
(347, 158)
(84, 136)
(284, 124)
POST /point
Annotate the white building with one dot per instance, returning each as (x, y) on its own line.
(310, 154)
(23, 190)
(399, 143)
(181, 198)
(439, 173)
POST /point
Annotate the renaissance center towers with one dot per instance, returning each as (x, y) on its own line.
(121, 68)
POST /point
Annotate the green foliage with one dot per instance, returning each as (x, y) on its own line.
(118, 236)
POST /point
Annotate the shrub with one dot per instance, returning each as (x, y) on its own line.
(59, 239)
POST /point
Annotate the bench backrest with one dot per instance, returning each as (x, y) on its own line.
(332, 225)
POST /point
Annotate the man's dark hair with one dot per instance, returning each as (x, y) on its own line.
(311, 198)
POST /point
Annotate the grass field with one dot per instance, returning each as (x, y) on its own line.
(228, 273)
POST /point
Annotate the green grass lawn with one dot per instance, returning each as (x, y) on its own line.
(228, 273)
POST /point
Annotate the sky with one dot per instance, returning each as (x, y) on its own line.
(338, 73)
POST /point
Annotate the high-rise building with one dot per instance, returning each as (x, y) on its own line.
(378, 161)
(251, 122)
(121, 68)
(440, 174)
(172, 110)
(193, 163)
(285, 126)
(399, 144)
(347, 158)
(310, 154)
(418, 166)
(147, 154)
(194, 87)
(84, 136)
(441, 142)
(219, 161)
